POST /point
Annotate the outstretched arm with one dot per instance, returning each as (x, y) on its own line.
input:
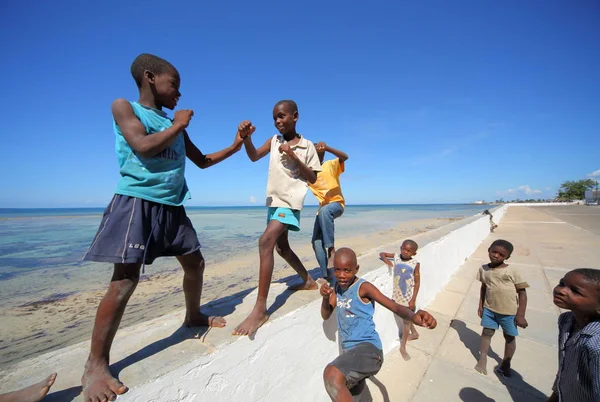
(205, 161)
(329, 301)
(323, 147)
(246, 129)
(420, 318)
(385, 257)
(135, 133)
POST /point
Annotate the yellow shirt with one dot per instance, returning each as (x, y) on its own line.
(502, 285)
(327, 187)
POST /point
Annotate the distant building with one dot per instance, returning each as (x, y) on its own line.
(479, 202)
(592, 197)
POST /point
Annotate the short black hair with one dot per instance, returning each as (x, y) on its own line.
(150, 62)
(412, 243)
(592, 275)
(504, 244)
(289, 103)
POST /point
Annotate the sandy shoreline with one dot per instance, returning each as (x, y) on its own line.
(38, 327)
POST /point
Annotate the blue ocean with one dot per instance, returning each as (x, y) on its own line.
(41, 249)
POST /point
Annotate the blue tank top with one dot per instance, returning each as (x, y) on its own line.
(160, 178)
(355, 317)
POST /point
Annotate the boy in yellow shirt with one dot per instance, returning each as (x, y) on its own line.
(328, 192)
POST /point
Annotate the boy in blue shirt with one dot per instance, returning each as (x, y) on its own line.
(362, 354)
(146, 218)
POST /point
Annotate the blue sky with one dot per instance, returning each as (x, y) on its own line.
(434, 101)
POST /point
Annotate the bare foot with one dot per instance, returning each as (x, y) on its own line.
(310, 284)
(481, 367)
(32, 393)
(404, 354)
(251, 324)
(203, 320)
(412, 337)
(99, 384)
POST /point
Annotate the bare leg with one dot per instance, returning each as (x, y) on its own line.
(405, 329)
(286, 252)
(32, 393)
(486, 340)
(509, 351)
(266, 245)
(414, 335)
(97, 381)
(193, 278)
(335, 385)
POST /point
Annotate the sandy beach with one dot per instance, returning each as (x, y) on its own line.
(35, 327)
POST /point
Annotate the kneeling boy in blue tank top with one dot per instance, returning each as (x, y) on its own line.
(362, 354)
(146, 219)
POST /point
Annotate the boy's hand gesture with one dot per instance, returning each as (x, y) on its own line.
(285, 148)
(246, 129)
(424, 319)
(321, 146)
(183, 117)
(325, 290)
(520, 321)
(412, 305)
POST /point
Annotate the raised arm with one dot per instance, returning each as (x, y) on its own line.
(135, 133)
(204, 161)
(385, 257)
(329, 301)
(342, 156)
(420, 318)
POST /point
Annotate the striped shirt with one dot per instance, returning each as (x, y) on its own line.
(578, 377)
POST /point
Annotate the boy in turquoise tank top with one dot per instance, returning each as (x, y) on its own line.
(146, 218)
(362, 354)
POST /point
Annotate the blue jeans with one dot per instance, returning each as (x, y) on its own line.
(323, 232)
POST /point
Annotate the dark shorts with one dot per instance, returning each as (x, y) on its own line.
(358, 363)
(137, 231)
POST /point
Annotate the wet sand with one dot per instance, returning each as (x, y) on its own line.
(35, 327)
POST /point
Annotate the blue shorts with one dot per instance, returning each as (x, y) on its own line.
(137, 231)
(492, 320)
(287, 216)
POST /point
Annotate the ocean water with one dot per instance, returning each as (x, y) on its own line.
(41, 249)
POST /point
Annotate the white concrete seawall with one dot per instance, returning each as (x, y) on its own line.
(286, 360)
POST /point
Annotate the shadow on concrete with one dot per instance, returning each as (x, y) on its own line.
(382, 389)
(473, 395)
(517, 387)
(472, 340)
(64, 395)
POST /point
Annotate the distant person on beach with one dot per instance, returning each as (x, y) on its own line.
(328, 192)
(146, 218)
(405, 286)
(32, 393)
(362, 354)
(293, 163)
(493, 225)
(502, 303)
(578, 377)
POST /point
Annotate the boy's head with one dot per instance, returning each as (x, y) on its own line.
(408, 249)
(285, 116)
(579, 291)
(345, 267)
(499, 251)
(158, 77)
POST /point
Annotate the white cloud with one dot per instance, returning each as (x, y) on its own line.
(252, 199)
(521, 190)
(595, 175)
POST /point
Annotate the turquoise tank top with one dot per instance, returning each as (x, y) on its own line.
(355, 317)
(160, 178)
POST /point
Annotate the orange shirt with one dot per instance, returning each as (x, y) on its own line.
(327, 187)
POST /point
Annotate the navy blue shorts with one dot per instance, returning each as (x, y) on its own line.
(137, 231)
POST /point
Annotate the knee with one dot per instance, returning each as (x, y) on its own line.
(488, 332)
(123, 289)
(195, 269)
(509, 338)
(266, 242)
(333, 379)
